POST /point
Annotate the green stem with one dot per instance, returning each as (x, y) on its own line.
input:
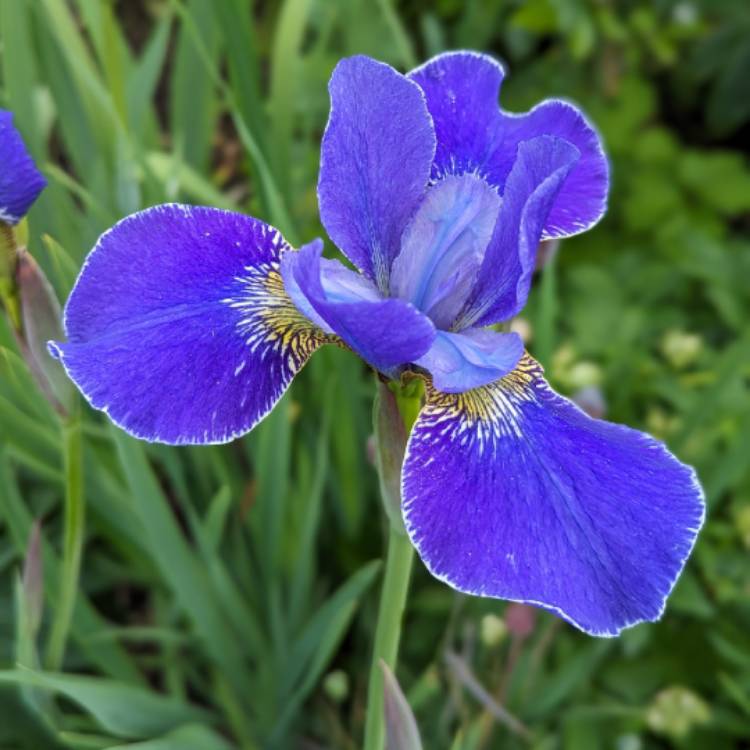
(388, 631)
(395, 583)
(72, 541)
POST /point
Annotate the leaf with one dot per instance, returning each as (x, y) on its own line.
(191, 737)
(122, 709)
(179, 566)
(312, 651)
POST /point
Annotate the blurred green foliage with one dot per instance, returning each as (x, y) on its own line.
(228, 594)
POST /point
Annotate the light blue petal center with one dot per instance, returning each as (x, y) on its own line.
(443, 246)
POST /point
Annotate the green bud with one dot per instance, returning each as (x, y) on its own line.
(336, 685)
(742, 523)
(675, 711)
(681, 349)
(584, 374)
(493, 630)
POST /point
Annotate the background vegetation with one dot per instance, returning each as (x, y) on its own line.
(228, 594)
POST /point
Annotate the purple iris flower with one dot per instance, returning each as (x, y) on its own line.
(187, 324)
(20, 180)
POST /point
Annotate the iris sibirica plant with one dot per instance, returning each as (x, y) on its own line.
(187, 324)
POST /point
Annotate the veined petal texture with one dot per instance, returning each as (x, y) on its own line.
(461, 361)
(511, 491)
(503, 282)
(443, 246)
(179, 326)
(475, 135)
(384, 332)
(20, 180)
(375, 162)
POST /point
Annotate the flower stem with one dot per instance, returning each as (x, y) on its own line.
(72, 541)
(394, 416)
(388, 631)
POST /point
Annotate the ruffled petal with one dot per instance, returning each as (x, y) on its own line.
(462, 90)
(510, 491)
(179, 326)
(384, 332)
(20, 180)
(375, 162)
(505, 277)
(459, 362)
(475, 135)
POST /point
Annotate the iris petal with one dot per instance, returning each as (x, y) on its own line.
(510, 491)
(475, 135)
(443, 246)
(375, 162)
(179, 326)
(20, 180)
(505, 277)
(461, 361)
(384, 332)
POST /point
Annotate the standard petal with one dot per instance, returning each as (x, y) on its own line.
(384, 332)
(475, 135)
(459, 362)
(510, 491)
(462, 90)
(505, 276)
(20, 180)
(179, 326)
(582, 200)
(375, 162)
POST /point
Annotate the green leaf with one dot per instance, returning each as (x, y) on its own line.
(192, 737)
(122, 709)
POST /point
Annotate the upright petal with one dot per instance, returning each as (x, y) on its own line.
(179, 326)
(462, 90)
(475, 135)
(510, 491)
(384, 332)
(459, 362)
(20, 180)
(375, 162)
(505, 277)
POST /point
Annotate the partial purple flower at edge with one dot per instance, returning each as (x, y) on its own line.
(20, 180)
(187, 324)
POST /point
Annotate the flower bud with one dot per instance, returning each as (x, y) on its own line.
(400, 725)
(520, 619)
(675, 711)
(336, 685)
(493, 630)
(523, 328)
(583, 374)
(591, 400)
(40, 323)
(390, 444)
(681, 349)
(742, 523)
(33, 579)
